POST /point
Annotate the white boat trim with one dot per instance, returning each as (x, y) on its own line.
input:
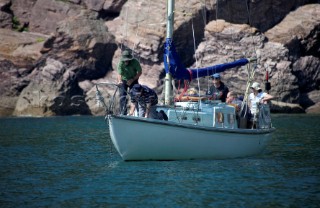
(190, 126)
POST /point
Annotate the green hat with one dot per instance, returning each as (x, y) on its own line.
(126, 55)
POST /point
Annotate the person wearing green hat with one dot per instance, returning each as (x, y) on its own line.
(129, 71)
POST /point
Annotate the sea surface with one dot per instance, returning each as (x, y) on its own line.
(70, 162)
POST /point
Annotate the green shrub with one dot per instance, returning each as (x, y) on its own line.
(40, 40)
(16, 25)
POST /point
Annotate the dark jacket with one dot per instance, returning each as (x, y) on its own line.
(219, 93)
(147, 96)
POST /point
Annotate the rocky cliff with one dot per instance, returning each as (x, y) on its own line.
(52, 52)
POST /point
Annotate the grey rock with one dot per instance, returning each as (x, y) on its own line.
(45, 15)
(95, 5)
(21, 10)
(76, 53)
(5, 20)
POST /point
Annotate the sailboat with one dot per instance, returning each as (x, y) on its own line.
(196, 128)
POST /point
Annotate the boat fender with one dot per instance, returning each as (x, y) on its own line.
(267, 84)
(162, 115)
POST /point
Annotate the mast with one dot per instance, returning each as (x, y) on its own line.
(168, 79)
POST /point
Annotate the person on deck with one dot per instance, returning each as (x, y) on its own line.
(146, 99)
(242, 115)
(129, 71)
(218, 91)
(233, 100)
(257, 96)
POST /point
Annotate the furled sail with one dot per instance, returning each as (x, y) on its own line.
(178, 71)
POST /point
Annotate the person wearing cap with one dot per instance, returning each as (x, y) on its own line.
(257, 96)
(146, 99)
(129, 71)
(218, 91)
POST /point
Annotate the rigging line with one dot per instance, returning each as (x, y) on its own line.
(254, 53)
(251, 72)
(126, 25)
(204, 13)
(124, 34)
(216, 41)
(136, 34)
(245, 98)
(216, 33)
(195, 55)
(135, 44)
(232, 33)
(137, 31)
(204, 18)
(138, 26)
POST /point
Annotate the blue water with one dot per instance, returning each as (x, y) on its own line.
(70, 162)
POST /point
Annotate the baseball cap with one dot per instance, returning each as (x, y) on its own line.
(136, 88)
(216, 76)
(255, 86)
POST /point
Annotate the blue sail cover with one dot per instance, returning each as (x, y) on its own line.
(174, 66)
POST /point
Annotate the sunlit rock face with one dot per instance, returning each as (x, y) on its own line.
(53, 52)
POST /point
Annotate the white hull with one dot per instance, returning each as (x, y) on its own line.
(141, 139)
